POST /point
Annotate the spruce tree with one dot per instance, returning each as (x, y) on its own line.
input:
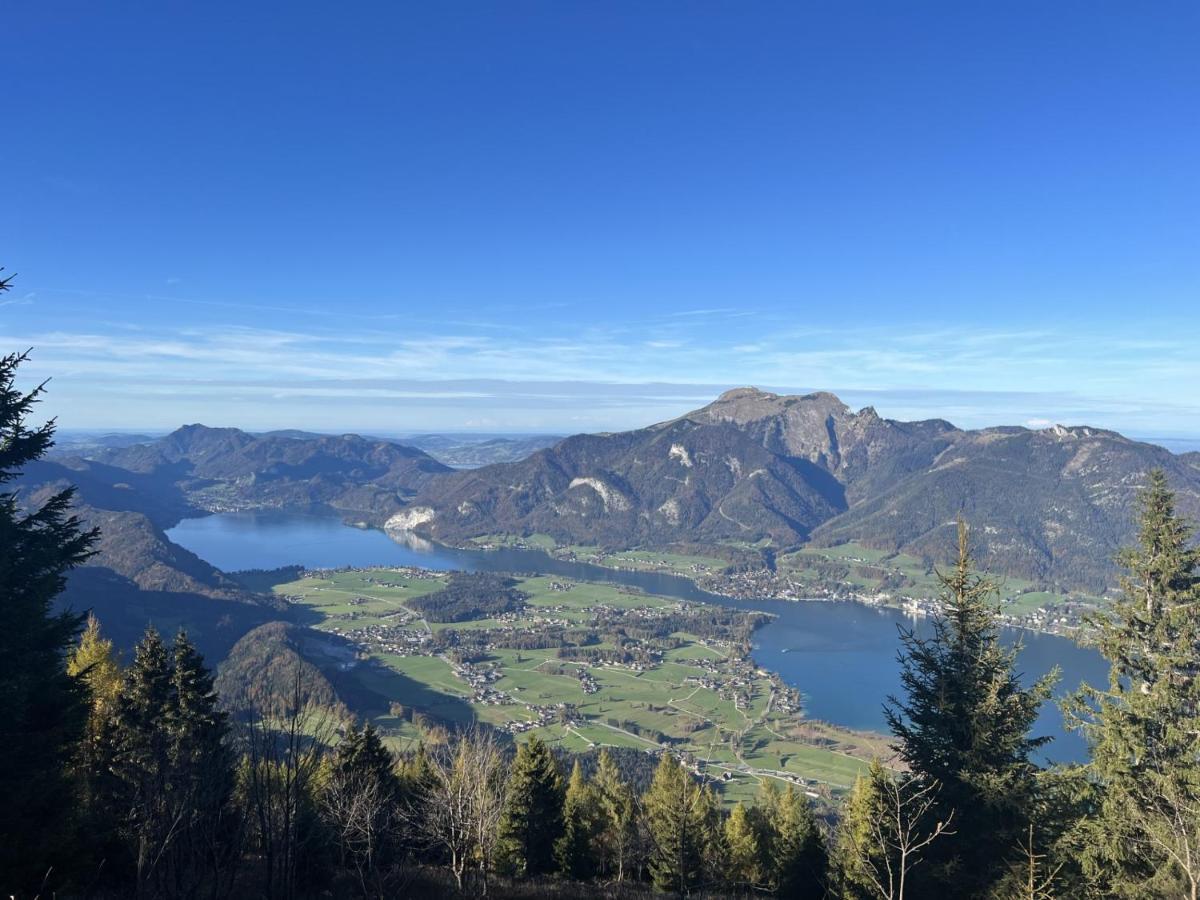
(42, 709)
(362, 757)
(202, 775)
(964, 723)
(171, 772)
(139, 758)
(617, 814)
(575, 849)
(743, 849)
(1144, 730)
(360, 800)
(797, 848)
(680, 817)
(533, 814)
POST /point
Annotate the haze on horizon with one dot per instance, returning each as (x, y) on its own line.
(557, 218)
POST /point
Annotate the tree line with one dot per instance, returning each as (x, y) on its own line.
(140, 781)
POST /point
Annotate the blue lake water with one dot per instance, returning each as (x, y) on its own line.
(840, 655)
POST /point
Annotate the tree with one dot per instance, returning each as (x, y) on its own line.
(173, 774)
(857, 856)
(617, 814)
(533, 817)
(462, 801)
(1033, 877)
(888, 824)
(743, 848)
(797, 851)
(203, 778)
(360, 799)
(1144, 730)
(94, 663)
(139, 757)
(964, 723)
(283, 739)
(680, 817)
(43, 710)
(581, 826)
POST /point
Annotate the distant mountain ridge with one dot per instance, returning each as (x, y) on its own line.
(220, 468)
(1052, 505)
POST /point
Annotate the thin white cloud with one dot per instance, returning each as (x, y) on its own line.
(299, 374)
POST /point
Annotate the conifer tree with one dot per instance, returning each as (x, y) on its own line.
(885, 835)
(617, 814)
(533, 815)
(964, 723)
(202, 775)
(42, 709)
(1144, 730)
(140, 755)
(362, 756)
(680, 817)
(93, 661)
(797, 848)
(743, 848)
(171, 771)
(575, 849)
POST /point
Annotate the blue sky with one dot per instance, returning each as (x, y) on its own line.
(564, 216)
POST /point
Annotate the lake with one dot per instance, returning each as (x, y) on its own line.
(840, 655)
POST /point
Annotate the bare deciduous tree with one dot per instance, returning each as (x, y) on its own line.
(1164, 808)
(460, 806)
(1036, 879)
(283, 742)
(364, 814)
(900, 833)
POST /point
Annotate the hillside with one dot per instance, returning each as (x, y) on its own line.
(137, 575)
(1049, 505)
(268, 664)
(224, 468)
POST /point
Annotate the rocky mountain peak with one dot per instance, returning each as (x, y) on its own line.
(750, 404)
(744, 393)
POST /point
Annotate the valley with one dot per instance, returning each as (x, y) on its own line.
(582, 665)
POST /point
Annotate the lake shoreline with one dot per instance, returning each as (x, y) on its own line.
(841, 655)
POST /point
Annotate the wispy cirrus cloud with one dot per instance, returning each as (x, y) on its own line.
(602, 376)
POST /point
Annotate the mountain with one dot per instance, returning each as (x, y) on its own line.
(682, 480)
(223, 468)
(1050, 505)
